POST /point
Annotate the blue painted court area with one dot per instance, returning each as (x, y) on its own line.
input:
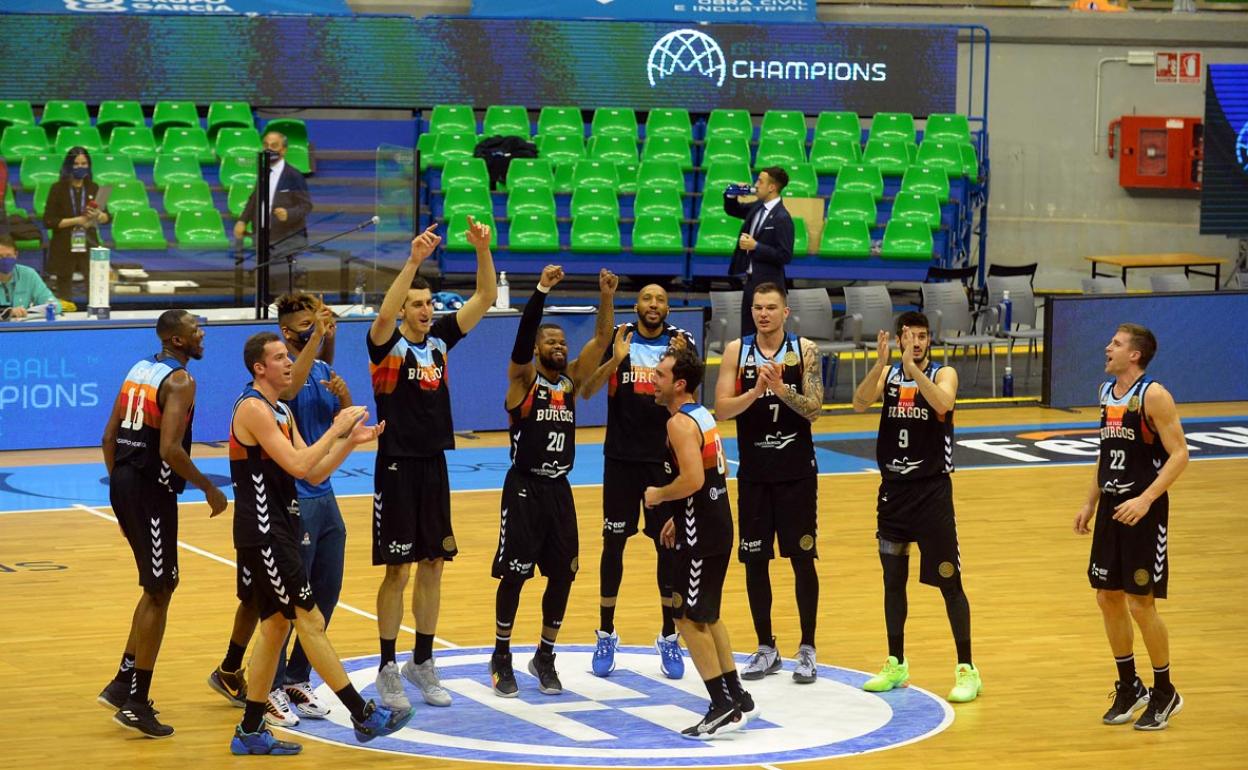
(483, 468)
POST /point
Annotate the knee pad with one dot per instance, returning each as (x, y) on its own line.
(889, 548)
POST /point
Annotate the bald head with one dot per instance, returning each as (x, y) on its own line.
(651, 309)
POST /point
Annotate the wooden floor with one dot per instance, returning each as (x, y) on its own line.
(1038, 636)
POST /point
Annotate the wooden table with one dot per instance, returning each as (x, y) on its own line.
(1185, 261)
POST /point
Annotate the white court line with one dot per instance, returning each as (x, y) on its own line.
(227, 562)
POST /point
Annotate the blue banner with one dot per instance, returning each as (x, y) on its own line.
(182, 7)
(735, 11)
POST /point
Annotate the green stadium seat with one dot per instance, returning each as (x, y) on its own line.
(530, 172)
(803, 183)
(723, 173)
(614, 121)
(452, 119)
(661, 173)
(729, 124)
(188, 140)
(717, 235)
(468, 200)
(560, 121)
(561, 149)
(892, 127)
(907, 240)
(19, 141)
(667, 121)
(628, 178)
(113, 114)
(779, 152)
(839, 125)
(845, 238)
(238, 170)
(801, 238)
(970, 162)
(138, 229)
(657, 235)
(617, 149)
(465, 172)
(563, 178)
(860, 177)
(297, 156)
(457, 233)
(856, 205)
(167, 114)
(828, 155)
(176, 169)
(64, 112)
(533, 232)
(16, 112)
(68, 137)
(111, 169)
(10, 203)
(187, 196)
(235, 140)
(295, 130)
(928, 181)
(673, 148)
(595, 234)
(783, 124)
(236, 201)
(658, 202)
(942, 155)
(37, 169)
(449, 146)
(135, 142)
(41, 197)
(947, 127)
(506, 120)
(595, 173)
(530, 200)
(128, 195)
(200, 230)
(424, 148)
(595, 201)
(229, 115)
(891, 158)
(726, 149)
(917, 207)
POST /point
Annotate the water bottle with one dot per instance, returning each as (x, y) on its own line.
(1007, 311)
(738, 190)
(359, 296)
(503, 300)
(50, 310)
(1007, 383)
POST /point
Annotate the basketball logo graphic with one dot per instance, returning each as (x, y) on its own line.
(685, 50)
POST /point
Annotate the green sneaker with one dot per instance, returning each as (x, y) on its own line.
(967, 684)
(893, 674)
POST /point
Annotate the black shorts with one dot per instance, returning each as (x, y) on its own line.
(537, 527)
(148, 514)
(623, 489)
(921, 512)
(271, 578)
(1132, 559)
(698, 586)
(412, 510)
(787, 510)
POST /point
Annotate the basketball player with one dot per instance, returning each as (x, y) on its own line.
(771, 382)
(631, 462)
(267, 455)
(537, 524)
(1143, 451)
(146, 446)
(701, 535)
(412, 498)
(914, 450)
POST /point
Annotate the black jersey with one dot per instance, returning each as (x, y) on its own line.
(774, 442)
(138, 436)
(543, 429)
(410, 388)
(704, 519)
(636, 426)
(266, 506)
(914, 441)
(1131, 451)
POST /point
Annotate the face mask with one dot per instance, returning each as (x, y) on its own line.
(81, 172)
(8, 264)
(305, 335)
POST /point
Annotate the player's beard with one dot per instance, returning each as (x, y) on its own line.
(645, 326)
(552, 364)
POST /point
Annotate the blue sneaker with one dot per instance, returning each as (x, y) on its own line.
(604, 653)
(262, 742)
(380, 721)
(671, 661)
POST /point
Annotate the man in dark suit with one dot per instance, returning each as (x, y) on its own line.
(289, 203)
(765, 244)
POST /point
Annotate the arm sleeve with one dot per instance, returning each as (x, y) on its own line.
(378, 353)
(526, 335)
(40, 294)
(735, 208)
(446, 328)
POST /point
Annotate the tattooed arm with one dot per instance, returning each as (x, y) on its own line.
(808, 403)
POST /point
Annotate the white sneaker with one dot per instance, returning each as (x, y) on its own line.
(805, 671)
(304, 701)
(390, 688)
(277, 711)
(425, 676)
(763, 662)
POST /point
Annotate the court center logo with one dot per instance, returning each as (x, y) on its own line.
(686, 50)
(634, 717)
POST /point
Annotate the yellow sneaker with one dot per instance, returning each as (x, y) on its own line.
(893, 675)
(967, 684)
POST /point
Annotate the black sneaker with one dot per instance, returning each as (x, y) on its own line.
(1162, 707)
(719, 720)
(231, 684)
(503, 677)
(1128, 699)
(115, 695)
(543, 667)
(141, 717)
(749, 710)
